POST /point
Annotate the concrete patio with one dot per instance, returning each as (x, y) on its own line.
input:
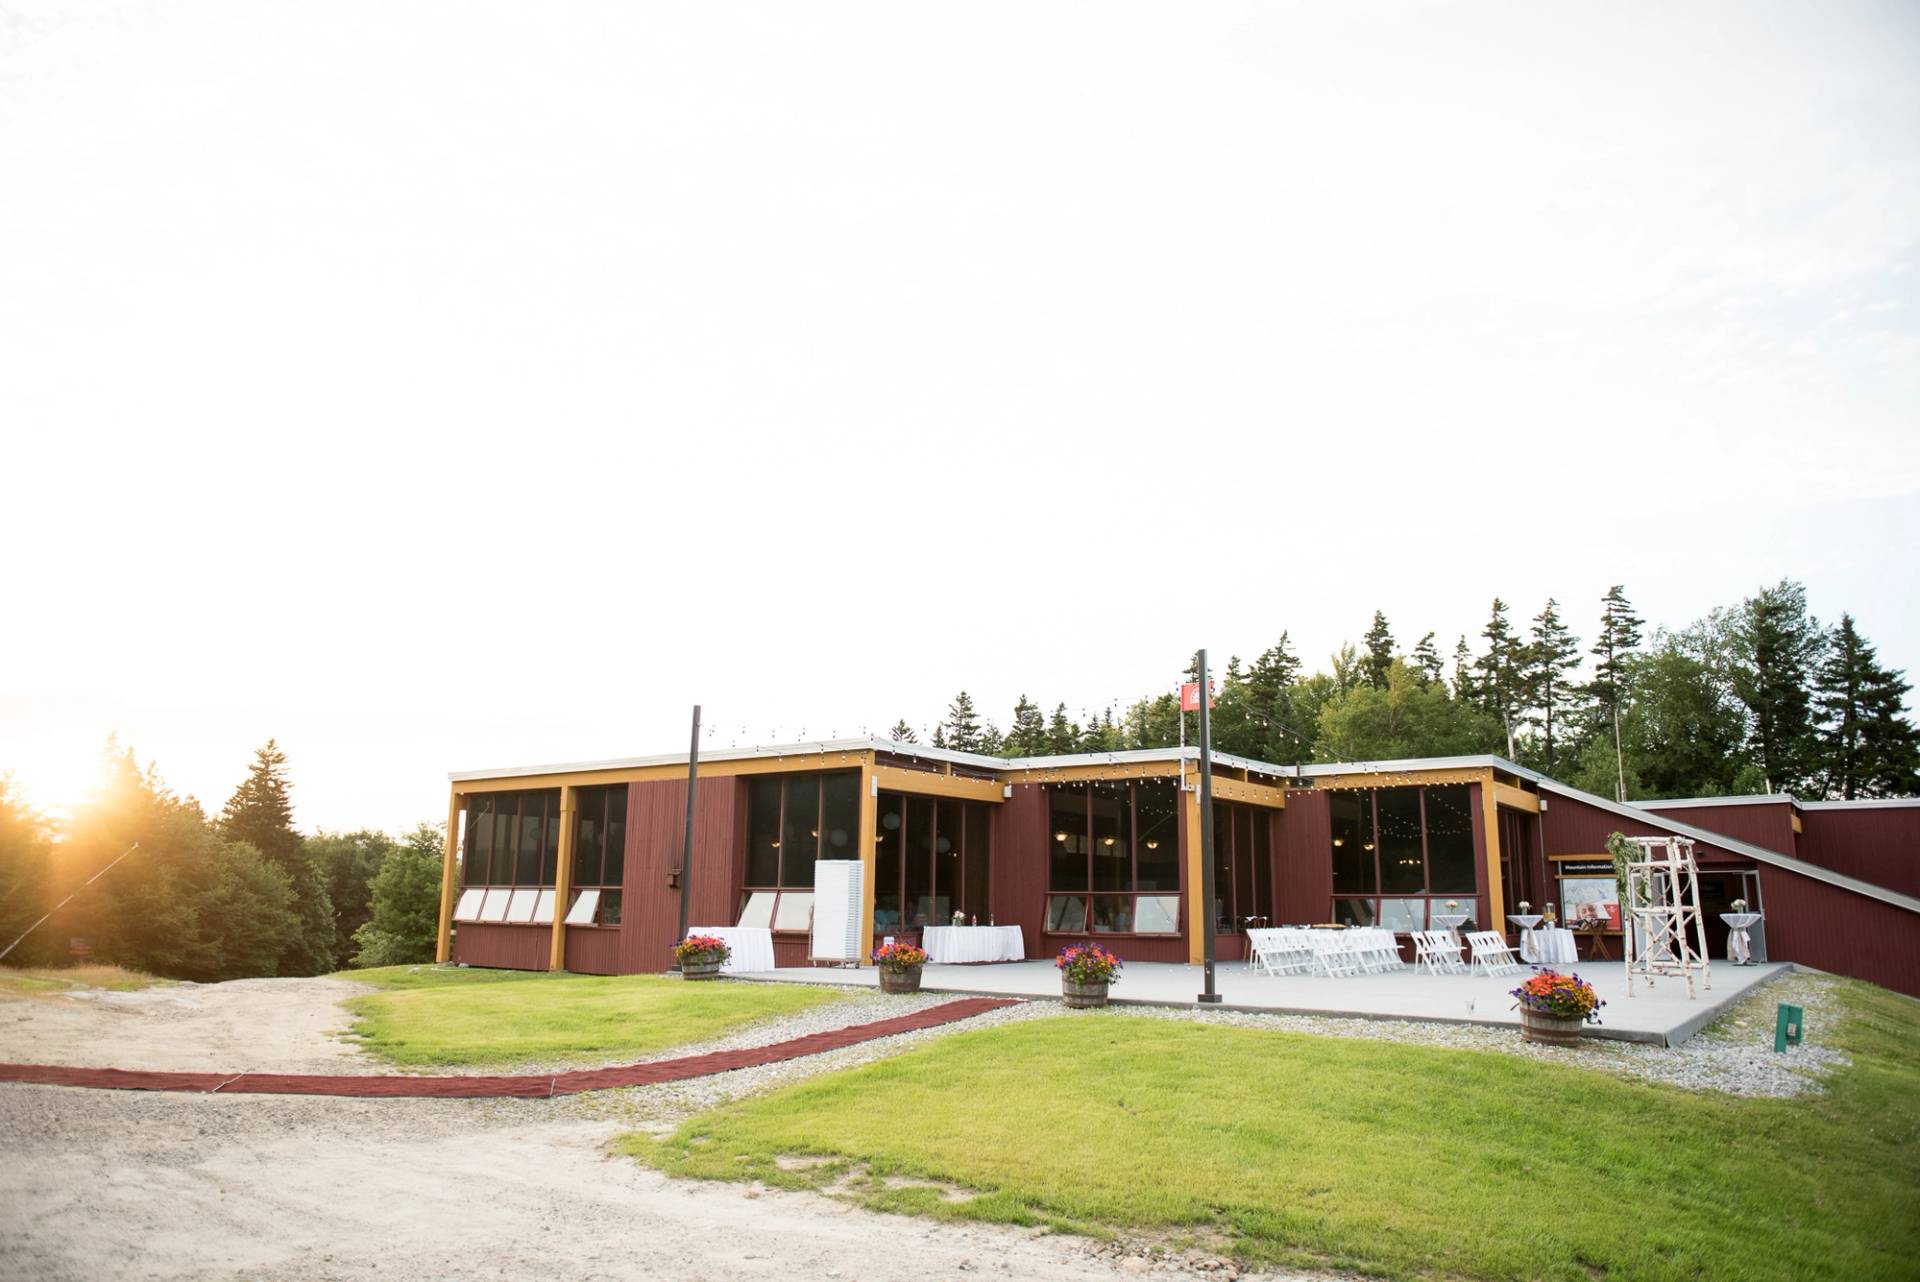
(1664, 1016)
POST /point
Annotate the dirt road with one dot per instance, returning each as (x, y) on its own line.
(108, 1184)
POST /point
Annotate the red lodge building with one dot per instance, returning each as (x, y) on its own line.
(578, 867)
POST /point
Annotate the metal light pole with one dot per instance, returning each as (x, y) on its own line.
(686, 848)
(1206, 834)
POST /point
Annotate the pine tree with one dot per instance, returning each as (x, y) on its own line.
(1619, 637)
(1028, 737)
(1774, 646)
(1426, 661)
(902, 732)
(260, 813)
(1868, 746)
(1551, 657)
(1379, 643)
(1063, 735)
(1498, 677)
(1463, 687)
(1270, 702)
(962, 726)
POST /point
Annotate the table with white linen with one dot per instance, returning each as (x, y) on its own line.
(1739, 947)
(1552, 946)
(752, 946)
(1526, 922)
(1451, 923)
(968, 944)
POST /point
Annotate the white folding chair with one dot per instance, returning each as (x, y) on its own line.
(1332, 955)
(1438, 951)
(1491, 952)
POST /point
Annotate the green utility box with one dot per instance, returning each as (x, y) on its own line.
(1787, 1027)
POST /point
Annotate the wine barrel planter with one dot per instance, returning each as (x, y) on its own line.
(1550, 1030)
(900, 981)
(700, 970)
(1082, 996)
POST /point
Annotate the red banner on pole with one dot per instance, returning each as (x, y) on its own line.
(1190, 697)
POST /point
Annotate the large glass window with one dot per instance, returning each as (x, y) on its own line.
(506, 836)
(1115, 839)
(793, 821)
(932, 859)
(512, 840)
(1242, 867)
(1412, 845)
(599, 853)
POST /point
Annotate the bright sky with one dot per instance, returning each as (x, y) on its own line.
(436, 386)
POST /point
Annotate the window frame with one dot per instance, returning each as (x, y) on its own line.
(1377, 898)
(780, 890)
(970, 812)
(1133, 894)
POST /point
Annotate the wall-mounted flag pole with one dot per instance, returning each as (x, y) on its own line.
(1203, 697)
(686, 846)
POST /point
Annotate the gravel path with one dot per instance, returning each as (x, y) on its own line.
(1733, 1055)
(113, 1184)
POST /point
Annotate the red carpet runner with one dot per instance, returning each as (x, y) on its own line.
(540, 1086)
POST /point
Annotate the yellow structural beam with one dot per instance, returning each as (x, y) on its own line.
(1516, 798)
(646, 774)
(563, 878)
(1490, 806)
(1197, 907)
(1398, 778)
(1252, 794)
(869, 828)
(926, 784)
(449, 863)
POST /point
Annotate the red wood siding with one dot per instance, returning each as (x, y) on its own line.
(1142, 948)
(1303, 871)
(1019, 892)
(593, 950)
(1817, 924)
(503, 947)
(1808, 921)
(1767, 825)
(1572, 827)
(1880, 844)
(656, 819)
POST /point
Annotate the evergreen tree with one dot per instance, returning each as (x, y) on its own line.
(939, 736)
(1772, 647)
(348, 863)
(1379, 643)
(1028, 736)
(260, 813)
(1150, 723)
(1409, 718)
(992, 742)
(902, 732)
(1283, 734)
(1063, 734)
(26, 870)
(1463, 687)
(1497, 673)
(1551, 657)
(962, 726)
(1868, 747)
(1426, 661)
(1619, 637)
(403, 925)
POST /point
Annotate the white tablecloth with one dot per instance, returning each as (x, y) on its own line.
(752, 946)
(1548, 946)
(1450, 921)
(1739, 946)
(973, 943)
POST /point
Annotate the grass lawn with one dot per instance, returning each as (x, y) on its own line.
(42, 981)
(501, 1018)
(1400, 1160)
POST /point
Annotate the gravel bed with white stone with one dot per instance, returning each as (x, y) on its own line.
(1733, 1055)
